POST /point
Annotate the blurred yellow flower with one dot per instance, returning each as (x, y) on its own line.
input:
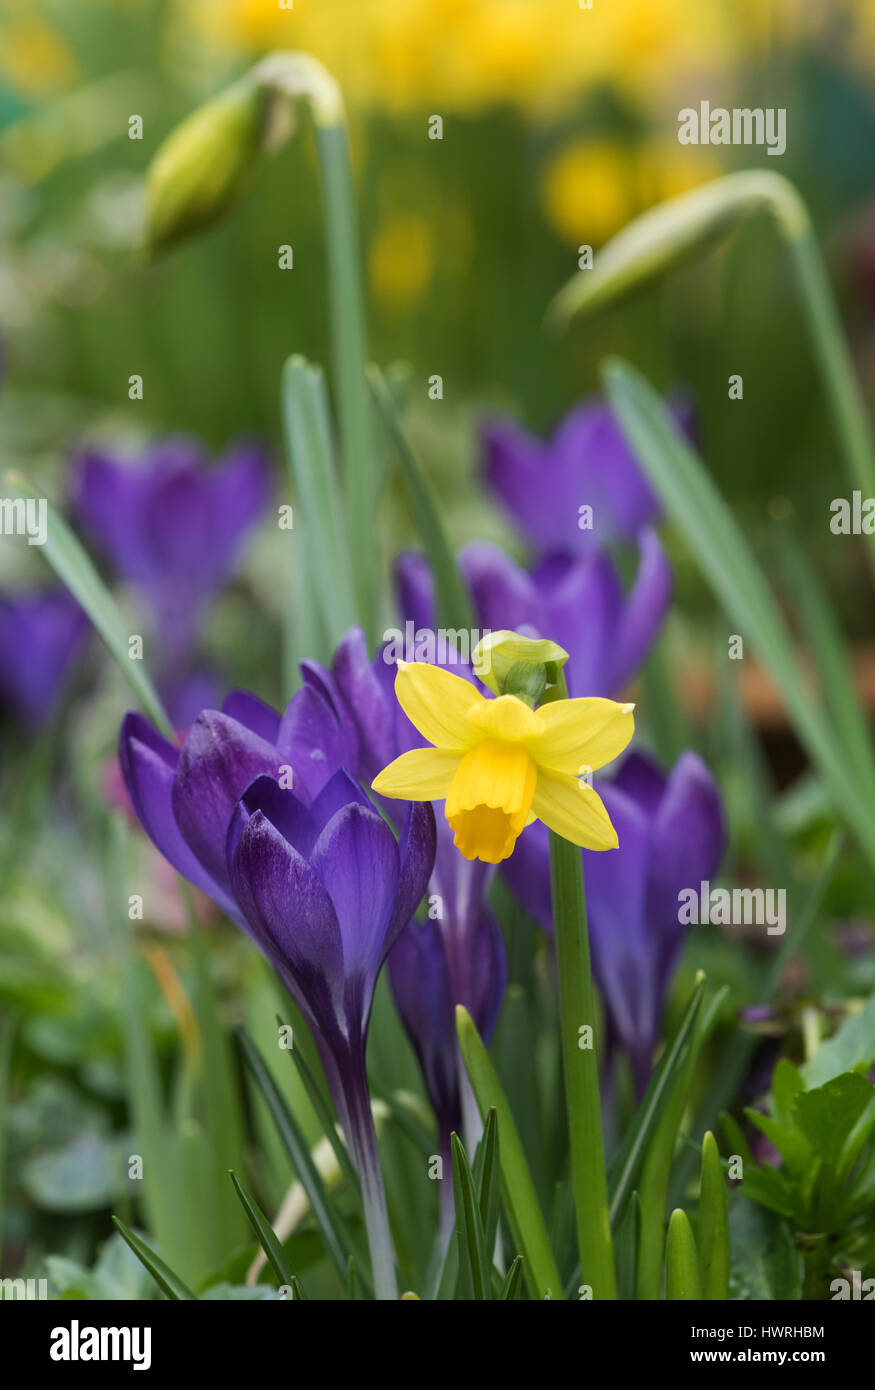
(400, 260)
(34, 58)
(588, 190)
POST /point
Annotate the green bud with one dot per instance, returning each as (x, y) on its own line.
(502, 655)
(680, 229)
(205, 164)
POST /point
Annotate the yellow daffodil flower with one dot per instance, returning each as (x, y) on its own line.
(500, 764)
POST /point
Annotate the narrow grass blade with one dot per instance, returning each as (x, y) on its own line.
(336, 1240)
(521, 1202)
(311, 461)
(361, 470)
(681, 1259)
(730, 566)
(713, 1224)
(74, 568)
(626, 1167)
(267, 1237)
(7, 1034)
(168, 1282)
(473, 1260)
(487, 1175)
(451, 595)
(830, 657)
(513, 1281)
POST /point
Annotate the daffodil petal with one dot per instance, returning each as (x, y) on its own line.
(423, 774)
(438, 702)
(581, 734)
(507, 718)
(573, 810)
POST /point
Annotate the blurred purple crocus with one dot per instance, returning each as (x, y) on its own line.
(171, 526)
(672, 835)
(546, 485)
(578, 602)
(41, 634)
(259, 811)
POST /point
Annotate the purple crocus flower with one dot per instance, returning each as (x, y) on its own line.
(544, 485)
(41, 634)
(259, 811)
(578, 602)
(457, 955)
(672, 834)
(172, 526)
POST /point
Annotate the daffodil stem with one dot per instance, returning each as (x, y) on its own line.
(581, 1070)
(834, 360)
(349, 352)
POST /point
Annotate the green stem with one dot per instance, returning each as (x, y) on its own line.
(834, 358)
(576, 1010)
(349, 353)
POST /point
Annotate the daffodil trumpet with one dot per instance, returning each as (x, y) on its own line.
(498, 763)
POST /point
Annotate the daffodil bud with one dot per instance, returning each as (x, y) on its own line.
(677, 230)
(502, 657)
(205, 164)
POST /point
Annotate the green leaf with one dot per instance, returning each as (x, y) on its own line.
(713, 1224)
(681, 1259)
(336, 1239)
(267, 1236)
(624, 1170)
(73, 567)
(524, 1213)
(727, 561)
(851, 1048)
(487, 1173)
(452, 604)
(474, 1264)
(167, 1281)
(830, 655)
(765, 1263)
(829, 1115)
(310, 455)
(513, 1280)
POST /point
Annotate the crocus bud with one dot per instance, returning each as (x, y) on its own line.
(205, 164)
(680, 229)
(500, 660)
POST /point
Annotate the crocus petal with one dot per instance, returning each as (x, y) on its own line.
(415, 588)
(219, 759)
(368, 703)
(356, 860)
(438, 702)
(149, 765)
(423, 774)
(338, 792)
(281, 807)
(645, 609)
(502, 593)
(291, 917)
(420, 984)
(254, 714)
(689, 836)
(574, 811)
(583, 733)
(313, 740)
(641, 778)
(582, 601)
(416, 849)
